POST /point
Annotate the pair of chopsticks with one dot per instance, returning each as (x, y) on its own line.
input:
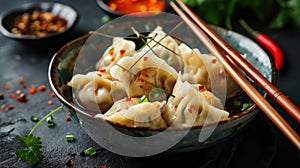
(214, 43)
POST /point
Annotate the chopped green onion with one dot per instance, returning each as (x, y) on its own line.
(237, 103)
(245, 106)
(106, 19)
(90, 151)
(70, 137)
(143, 99)
(50, 122)
(34, 119)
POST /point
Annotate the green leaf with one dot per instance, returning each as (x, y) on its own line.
(32, 149)
(294, 11)
(280, 20)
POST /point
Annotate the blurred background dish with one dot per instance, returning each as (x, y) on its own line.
(119, 8)
(34, 21)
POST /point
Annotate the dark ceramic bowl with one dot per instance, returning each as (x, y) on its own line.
(66, 12)
(103, 5)
(61, 70)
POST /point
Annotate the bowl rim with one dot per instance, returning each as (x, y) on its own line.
(29, 6)
(252, 109)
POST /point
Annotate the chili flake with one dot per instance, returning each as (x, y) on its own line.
(12, 95)
(102, 70)
(52, 94)
(122, 52)
(50, 102)
(32, 89)
(22, 97)
(41, 88)
(213, 61)
(3, 107)
(10, 107)
(68, 118)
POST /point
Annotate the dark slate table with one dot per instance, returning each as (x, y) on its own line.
(260, 144)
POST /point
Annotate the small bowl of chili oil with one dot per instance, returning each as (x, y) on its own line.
(34, 21)
(123, 7)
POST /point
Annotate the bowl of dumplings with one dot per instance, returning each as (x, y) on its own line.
(146, 86)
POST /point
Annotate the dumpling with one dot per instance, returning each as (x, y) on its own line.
(96, 90)
(120, 47)
(165, 47)
(207, 70)
(189, 107)
(144, 72)
(131, 112)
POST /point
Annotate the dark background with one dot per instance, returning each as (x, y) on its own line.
(260, 144)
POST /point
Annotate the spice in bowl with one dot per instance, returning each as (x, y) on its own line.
(38, 23)
(132, 6)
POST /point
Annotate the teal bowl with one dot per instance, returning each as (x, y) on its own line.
(61, 70)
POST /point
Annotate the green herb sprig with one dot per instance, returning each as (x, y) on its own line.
(31, 151)
(277, 13)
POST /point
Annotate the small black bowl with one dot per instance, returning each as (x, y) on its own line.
(103, 5)
(66, 12)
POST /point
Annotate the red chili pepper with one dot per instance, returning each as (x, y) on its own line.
(267, 43)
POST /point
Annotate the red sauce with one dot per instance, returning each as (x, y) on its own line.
(132, 6)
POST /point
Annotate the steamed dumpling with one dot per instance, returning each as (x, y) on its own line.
(207, 70)
(96, 90)
(165, 47)
(130, 112)
(189, 107)
(120, 47)
(143, 72)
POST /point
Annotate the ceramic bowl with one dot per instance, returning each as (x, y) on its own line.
(61, 70)
(66, 12)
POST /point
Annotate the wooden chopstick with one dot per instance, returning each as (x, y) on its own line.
(270, 89)
(258, 99)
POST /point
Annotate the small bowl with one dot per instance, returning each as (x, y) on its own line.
(66, 12)
(103, 5)
(63, 66)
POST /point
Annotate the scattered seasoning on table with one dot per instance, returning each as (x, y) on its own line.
(10, 107)
(82, 153)
(52, 94)
(38, 23)
(90, 151)
(32, 89)
(70, 138)
(34, 119)
(22, 98)
(68, 118)
(3, 107)
(12, 95)
(70, 163)
(41, 88)
(50, 102)
(106, 19)
(50, 122)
